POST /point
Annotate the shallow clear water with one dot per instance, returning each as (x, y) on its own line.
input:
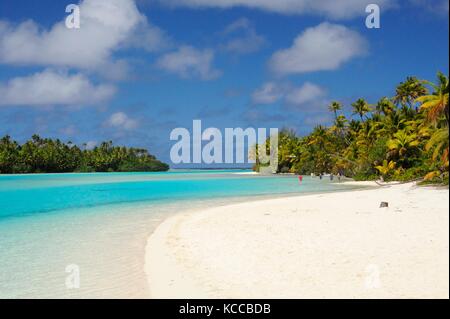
(100, 222)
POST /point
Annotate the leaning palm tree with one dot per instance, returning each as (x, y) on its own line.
(436, 104)
(361, 107)
(335, 107)
(439, 144)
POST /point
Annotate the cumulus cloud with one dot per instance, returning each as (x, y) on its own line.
(342, 9)
(308, 94)
(189, 62)
(324, 47)
(269, 93)
(106, 26)
(149, 37)
(53, 88)
(121, 120)
(243, 37)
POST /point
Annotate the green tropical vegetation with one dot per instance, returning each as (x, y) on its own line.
(43, 155)
(402, 138)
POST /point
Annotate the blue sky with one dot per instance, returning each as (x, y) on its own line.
(135, 70)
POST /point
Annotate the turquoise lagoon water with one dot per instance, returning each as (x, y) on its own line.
(101, 222)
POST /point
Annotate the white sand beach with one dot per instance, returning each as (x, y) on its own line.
(334, 245)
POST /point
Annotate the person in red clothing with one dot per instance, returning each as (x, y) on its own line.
(300, 179)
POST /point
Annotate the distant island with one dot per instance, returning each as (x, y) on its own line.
(44, 155)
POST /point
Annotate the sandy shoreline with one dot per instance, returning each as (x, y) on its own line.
(334, 245)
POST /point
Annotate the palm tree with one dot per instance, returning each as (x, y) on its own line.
(436, 104)
(287, 143)
(319, 141)
(335, 107)
(440, 145)
(319, 136)
(340, 122)
(339, 125)
(394, 122)
(407, 92)
(402, 142)
(361, 107)
(354, 126)
(385, 106)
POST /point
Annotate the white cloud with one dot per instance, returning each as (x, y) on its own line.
(106, 26)
(149, 37)
(269, 93)
(341, 9)
(324, 47)
(189, 62)
(307, 93)
(239, 24)
(245, 40)
(53, 88)
(122, 121)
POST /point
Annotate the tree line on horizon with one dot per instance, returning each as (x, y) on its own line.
(401, 138)
(44, 155)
